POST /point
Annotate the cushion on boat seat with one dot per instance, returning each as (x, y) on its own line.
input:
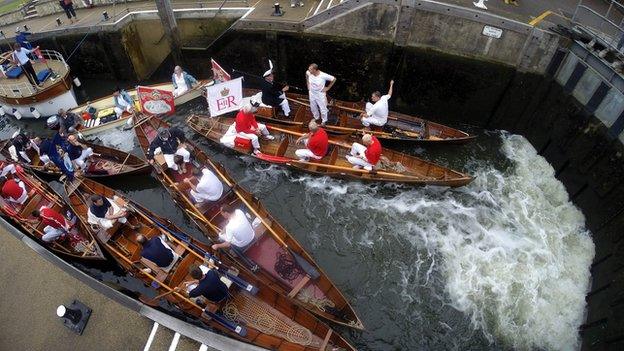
(44, 74)
(14, 72)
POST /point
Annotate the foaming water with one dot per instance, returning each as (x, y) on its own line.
(510, 250)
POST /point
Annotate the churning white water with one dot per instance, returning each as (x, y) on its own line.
(510, 250)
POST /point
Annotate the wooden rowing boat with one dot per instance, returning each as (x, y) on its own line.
(306, 284)
(105, 163)
(345, 119)
(253, 312)
(396, 167)
(78, 243)
(106, 118)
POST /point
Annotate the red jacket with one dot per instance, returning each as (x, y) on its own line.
(52, 218)
(244, 122)
(12, 189)
(318, 143)
(373, 151)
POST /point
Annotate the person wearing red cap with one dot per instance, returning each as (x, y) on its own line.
(365, 156)
(316, 143)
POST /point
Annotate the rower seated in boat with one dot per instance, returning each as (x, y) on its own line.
(55, 223)
(169, 142)
(248, 127)
(367, 155)
(182, 81)
(208, 188)
(274, 94)
(49, 153)
(68, 122)
(206, 283)
(13, 190)
(158, 251)
(377, 112)
(238, 231)
(20, 145)
(123, 102)
(106, 212)
(78, 152)
(316, 143)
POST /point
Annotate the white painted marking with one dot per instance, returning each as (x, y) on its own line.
(329, 4)
(480, 4)
(488, 45)
(203, 348)
(150, 339)
(318, 7)
(174, 342)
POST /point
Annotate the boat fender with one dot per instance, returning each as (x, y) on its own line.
(2, 111)
(77, 82)
(17, 114)
(35, 113)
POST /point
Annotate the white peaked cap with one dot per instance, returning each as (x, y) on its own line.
(268, 73)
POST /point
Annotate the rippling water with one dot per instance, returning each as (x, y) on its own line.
(502, 263)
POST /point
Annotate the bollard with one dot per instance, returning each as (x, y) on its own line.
(277, 10)
(105, 16)
(26, 28)
(58, 22)
(75, 316)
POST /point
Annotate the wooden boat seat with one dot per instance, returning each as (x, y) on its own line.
(182, 271)
(259, 232)
(30, 206)
(158, 272)
(281, 149)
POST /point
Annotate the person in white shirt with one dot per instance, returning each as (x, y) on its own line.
(123, 102)
(182, 81)
(317, 87)
(209, 187)
(20, 58)
(238, 232)
(377, 111)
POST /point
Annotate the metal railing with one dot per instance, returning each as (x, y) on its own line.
(607, 26)
(25, 89)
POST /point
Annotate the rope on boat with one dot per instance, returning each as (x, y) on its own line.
(387, 165)
(244, 308)
(307, 296)
(286, 267)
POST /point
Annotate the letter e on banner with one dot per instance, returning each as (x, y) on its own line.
(225, 97)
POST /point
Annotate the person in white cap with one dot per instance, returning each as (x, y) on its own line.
(247, 127)
(274, 94)
(317, 87)
(377, 111)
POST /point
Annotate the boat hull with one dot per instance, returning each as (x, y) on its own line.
(46, 108)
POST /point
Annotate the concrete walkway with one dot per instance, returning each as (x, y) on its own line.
(32, 288)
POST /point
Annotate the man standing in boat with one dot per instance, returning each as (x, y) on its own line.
(274, 94)
(365, 155)
(316, 143)
(68, 122)
(182, 81)
(20, 58)
(317, 88)
(123, 102)
(377, 111)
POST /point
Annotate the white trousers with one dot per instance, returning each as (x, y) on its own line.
(318, 105)
(80, 161)
(358, 158)
(284, 105)
(169, 157)
(254, 137)
(181, 89)
(374, 120)
(306, 154)
(119, 111)
(51, 233)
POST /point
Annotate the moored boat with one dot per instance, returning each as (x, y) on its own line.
(104, 118)
(106, 162)
(300, 278)
(251, 312)
(77, 243)
(395, 167)
(345, 119)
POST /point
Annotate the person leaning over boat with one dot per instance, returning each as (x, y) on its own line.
(13, 190)
(20, 58)
(274, 94)
(182, 81)
(123, 102)
(20, 144)
(54, 222)
(158, 251)
(106, 212)
(68, 122)
(248, 127)
(377, 111)
(238, 232)
(206, 283)
(317, 89)
(78, 152)
(316, 143)
(169, 142)
(366, 155)
(208, 188)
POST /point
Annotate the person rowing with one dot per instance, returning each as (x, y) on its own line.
(206, 283)
(55, 223)
(377, 112)
(78, 152)
(158, 251)
(238, 232)
(105, 212)
(247, 127)
(273, 93)
(208, 188)
(316, 143)
(169, 142)
(365, 155)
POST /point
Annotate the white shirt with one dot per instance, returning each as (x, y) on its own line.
(379, 110)
(209, 187)
(317, 83)
(238, 231)
(180, 82)
(120, 100)
(22, 56)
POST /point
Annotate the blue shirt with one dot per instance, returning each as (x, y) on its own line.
(155, 251)
(100, 211)
(211, 287)
(74, 151)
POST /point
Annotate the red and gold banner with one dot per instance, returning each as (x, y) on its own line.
(156, 101)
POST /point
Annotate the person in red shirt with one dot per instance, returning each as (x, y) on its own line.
(247, 127)
(316, 143)
(366, 155)
(55, 223)
(14, 191)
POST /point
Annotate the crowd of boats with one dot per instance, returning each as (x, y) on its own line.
(277, 295)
